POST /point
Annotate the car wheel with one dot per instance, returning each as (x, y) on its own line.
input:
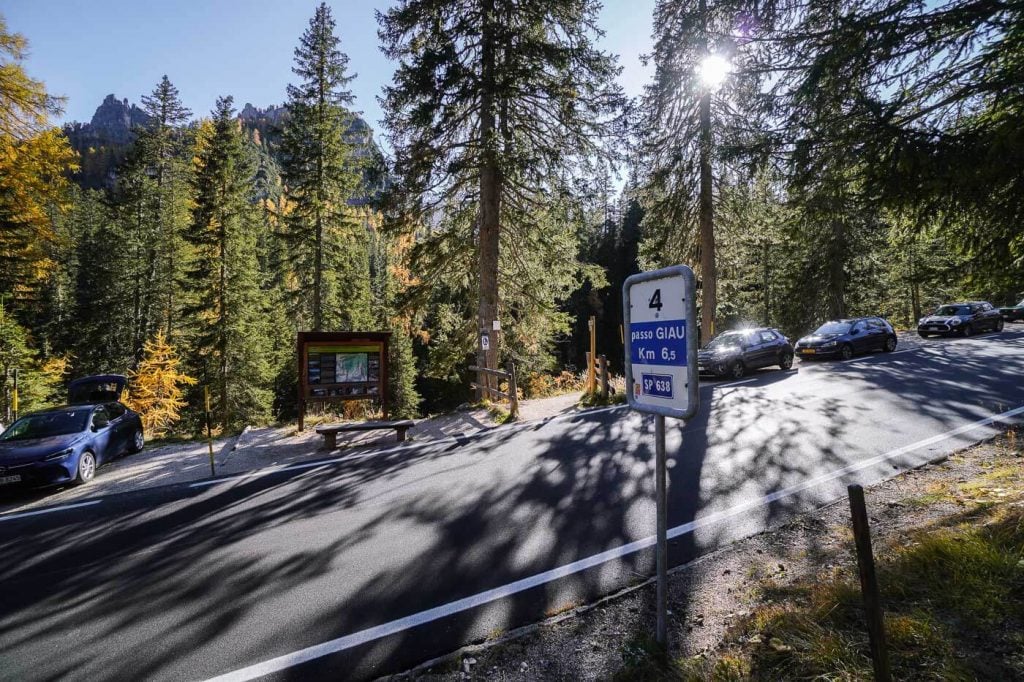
(86, 468)
(786, 360)
(999, 325)
(138, 440)
(890, 344)
(737, 370)
(967, 331)
(846, 352)
(923, 335)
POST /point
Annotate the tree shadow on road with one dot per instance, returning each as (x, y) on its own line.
(221, 577)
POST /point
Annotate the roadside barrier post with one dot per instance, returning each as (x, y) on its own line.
(209, 428)
(14, 395)
(588, 387)
(869, 583)
(591, 379)
(602, 363)
(513, 393)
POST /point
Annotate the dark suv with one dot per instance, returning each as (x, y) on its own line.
(733, 353)
(961, 318)
(845, 338)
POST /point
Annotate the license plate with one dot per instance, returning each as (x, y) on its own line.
(10, 479)
(808, 351)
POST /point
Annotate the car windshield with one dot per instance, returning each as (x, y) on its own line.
(1021, 304)
(729, 340)
(953, 310)
(47, 424)
(833, 328)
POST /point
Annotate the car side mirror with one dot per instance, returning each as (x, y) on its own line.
(854, 331)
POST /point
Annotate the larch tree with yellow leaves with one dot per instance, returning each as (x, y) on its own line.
(34, 161)
(156, 388)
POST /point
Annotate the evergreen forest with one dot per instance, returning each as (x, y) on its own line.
(809, 160)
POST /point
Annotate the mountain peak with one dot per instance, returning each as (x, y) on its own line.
(115, 119)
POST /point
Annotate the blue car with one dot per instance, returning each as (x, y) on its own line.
(846, 338)
(67, 444)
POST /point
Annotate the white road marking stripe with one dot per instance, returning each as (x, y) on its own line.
(48, 510)
(423, 617)
(737, 383)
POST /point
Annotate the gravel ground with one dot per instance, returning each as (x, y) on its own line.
(708, 596)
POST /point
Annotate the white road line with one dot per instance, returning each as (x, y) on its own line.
(48, 510)
(423, 617)
(737, 383)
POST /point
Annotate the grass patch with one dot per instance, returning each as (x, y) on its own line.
(595, 399)
(953, 594)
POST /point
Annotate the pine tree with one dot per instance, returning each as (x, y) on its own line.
(152, 201)
(155, 389)
(163, 148)
(101, 331)
(495, 112)
(684, 123)
(390, 276)
(39, 383)
(327, 246)
(227, 316)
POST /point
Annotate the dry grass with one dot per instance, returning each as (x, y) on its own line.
(953, 593)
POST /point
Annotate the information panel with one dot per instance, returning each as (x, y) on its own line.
(342, 366)
(660, 314)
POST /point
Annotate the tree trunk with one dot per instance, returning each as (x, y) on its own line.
(837, 271)
(223, 322)
(318, 319)
(490, 202)
(708, 273)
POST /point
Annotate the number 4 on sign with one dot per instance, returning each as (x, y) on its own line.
(655, 301)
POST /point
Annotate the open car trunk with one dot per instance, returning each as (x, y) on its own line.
(102, 388)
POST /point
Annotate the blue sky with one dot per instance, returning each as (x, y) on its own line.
(86, 49)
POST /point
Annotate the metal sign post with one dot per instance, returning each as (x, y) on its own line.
(660, 313)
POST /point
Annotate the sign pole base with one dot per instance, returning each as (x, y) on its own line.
(662, 551)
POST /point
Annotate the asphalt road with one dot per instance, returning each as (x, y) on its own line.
(384, 560)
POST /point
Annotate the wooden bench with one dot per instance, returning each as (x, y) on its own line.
(330, 433)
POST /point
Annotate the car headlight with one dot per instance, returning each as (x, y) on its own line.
(955, 320)
(57, 456)
(828, 343)
(921, 321)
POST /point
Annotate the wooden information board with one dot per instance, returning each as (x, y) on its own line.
(341, 366)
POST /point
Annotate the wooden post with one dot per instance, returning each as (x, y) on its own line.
(591, 379)
(869, 583)
(209, 432)
(513, 394)
(602, 363)
(588, 387)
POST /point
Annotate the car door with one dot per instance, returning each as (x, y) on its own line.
(769, 354)
(752, 350)
(99, 423)
(877, 334)
(992, 315)
(119, 428)
(859, 336)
